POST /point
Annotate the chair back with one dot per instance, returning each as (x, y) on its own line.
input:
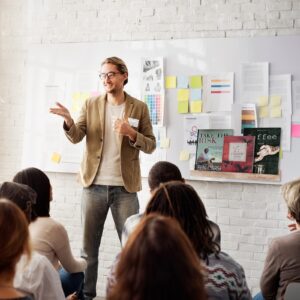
(292, 291)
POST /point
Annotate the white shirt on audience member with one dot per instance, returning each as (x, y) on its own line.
(38, 278)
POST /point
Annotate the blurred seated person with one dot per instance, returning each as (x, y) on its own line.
(36, 277)
(50, 237)
(158, 263)
(282, 264)
(14, 243)
(225, 277)
(161, 172)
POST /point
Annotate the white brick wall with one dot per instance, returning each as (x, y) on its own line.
(249, 215)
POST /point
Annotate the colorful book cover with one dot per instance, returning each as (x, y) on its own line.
(238, 154)
(266, 150)
(210, 148)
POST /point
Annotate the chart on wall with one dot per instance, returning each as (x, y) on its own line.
(187, 85)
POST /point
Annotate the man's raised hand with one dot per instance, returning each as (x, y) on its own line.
(63, 112)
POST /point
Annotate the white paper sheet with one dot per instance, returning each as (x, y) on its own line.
(191, 126)
(218, 92)
(152, 88)
(296, 100)
(255, 81)
(220, 121)
(236, 124)
(148, 160)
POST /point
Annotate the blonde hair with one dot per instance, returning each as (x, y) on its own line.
(291, 194)
(14, 235)
(119, 63)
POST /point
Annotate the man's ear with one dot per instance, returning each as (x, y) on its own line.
(183, 180)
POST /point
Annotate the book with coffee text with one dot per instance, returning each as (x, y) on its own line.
(266, 150)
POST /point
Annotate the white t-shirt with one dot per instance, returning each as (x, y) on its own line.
(109, 172)
(38, 278)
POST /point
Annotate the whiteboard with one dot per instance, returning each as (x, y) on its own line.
(74, 67)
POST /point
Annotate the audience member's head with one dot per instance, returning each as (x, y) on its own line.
(14, 238)
(180, 201)
(291, 195)
(161, 172)
(158, 262)
(22, 195)
(40, 182)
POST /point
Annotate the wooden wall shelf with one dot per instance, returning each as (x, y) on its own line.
(235, 177)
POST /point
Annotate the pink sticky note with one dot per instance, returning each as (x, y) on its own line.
(95, 93)
(295, 130)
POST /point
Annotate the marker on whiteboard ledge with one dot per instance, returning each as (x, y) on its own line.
(55, 158)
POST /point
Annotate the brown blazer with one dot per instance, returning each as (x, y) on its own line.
(90, 124)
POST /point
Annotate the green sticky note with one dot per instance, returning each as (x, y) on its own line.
(170, 82)
(195, 81)
(183, 95)
(183, 107)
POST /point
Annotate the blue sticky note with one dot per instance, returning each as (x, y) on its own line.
(195, 94)
(182, 82)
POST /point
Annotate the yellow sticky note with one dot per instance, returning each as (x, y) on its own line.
(78, 100)
(280, 153)
(183, 94)
(170, 82)
(165, 143)
(196, 106)
(263, 101)
(76, 95)
(275, 100)
(276, 112)
(84, 96)
(263, 112)
(195, 82)
(55, 157)
(183, 107)
(184, 155)
(75, 106)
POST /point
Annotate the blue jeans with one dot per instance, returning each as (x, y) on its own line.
(96, 201)
(258, 296)
(72, 282)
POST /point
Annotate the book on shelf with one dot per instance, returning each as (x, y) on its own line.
(266, 149)
(238, 154)
(209, 149)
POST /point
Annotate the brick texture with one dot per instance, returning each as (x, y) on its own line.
(248, 219)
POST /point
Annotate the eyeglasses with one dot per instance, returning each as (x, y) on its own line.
(108, 75)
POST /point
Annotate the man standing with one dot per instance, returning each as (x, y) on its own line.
(116, 126)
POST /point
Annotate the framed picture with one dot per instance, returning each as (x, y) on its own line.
(238, 154)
